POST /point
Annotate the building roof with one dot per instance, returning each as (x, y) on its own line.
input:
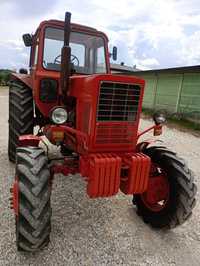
(188, 69)
(123, 68)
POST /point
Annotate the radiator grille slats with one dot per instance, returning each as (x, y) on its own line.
(118, 102)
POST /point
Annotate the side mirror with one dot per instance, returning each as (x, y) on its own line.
(28, 39)
(114, 53)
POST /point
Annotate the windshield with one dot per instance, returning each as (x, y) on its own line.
(87, 51)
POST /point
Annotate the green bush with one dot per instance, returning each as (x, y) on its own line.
(4, 76)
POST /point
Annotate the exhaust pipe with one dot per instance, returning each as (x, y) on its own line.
(65, 58)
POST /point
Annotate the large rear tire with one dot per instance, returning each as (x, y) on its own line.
(21, 119)
(178, 195)
(33, 219)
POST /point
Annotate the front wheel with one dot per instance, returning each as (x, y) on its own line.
(32, 199)
(170, 196)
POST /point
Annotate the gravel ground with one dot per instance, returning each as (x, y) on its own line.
(101, 231)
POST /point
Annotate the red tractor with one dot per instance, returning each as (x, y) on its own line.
(73, 100)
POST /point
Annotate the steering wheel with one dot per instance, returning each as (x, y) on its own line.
(74, 59)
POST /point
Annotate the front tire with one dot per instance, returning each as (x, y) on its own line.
(178, 195)
(33, 219)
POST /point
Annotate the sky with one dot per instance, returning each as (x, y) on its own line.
(150, 34)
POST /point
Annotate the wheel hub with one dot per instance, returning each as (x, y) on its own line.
(157, 194)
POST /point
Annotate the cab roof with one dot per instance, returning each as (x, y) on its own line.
(74, 26)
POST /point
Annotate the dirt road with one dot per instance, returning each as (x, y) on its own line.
(101, 231)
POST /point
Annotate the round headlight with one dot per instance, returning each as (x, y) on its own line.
(159, 117)
(59, 115)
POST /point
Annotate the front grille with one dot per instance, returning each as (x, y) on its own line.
(106, 133)
(118, 102)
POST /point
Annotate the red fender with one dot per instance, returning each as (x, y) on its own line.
(25, 78)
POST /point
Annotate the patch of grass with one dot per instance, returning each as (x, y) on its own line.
(174, 121)
(186, 123)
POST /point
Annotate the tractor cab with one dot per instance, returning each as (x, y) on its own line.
(89, 48)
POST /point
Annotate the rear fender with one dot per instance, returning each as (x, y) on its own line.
(24, 78)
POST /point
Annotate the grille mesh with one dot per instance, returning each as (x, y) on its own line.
(118, 102)
(106, 133)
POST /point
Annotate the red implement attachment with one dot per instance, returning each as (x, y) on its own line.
(103, 172)
(137, 167)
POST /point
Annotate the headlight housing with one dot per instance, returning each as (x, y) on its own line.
(159, 117)
(59, 115)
